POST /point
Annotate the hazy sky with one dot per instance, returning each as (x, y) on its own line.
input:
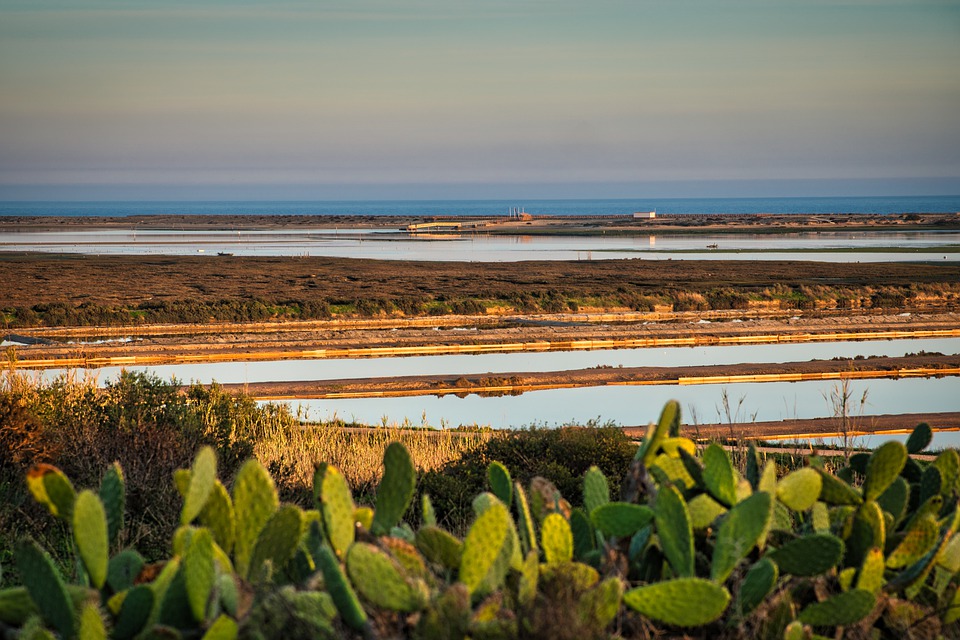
(346, 98)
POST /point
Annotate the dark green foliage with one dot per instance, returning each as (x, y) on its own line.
(920, 438)
(46, 587)
(562, 455)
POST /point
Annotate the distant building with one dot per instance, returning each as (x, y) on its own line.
(645, 214)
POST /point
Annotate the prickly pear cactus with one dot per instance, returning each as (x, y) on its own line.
(500, 483)
(719, 475)
(395, 490)
(439, 546)
(556, 539)
(883, 467)
(90, 535)
(741, 531)
(596, 490)
(800, 489)
(487, 550)
(380, 579)
(336, 508)
(810, 555)
(842, 609)
(675, 530)
(46, 588)
(621, 519)
(203, 474)
(759, 581)
(113, 496)
(920, 438)
(52, 489)
(684, 602)
(276, 542)
(254, 500)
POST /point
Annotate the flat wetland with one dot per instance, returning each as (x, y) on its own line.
(427, 305)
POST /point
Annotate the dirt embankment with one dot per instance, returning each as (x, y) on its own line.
(515, 383)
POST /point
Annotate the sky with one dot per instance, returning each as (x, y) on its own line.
(323, 99)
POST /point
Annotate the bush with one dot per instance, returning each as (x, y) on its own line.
(563, 455)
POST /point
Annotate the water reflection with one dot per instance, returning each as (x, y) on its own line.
(636, 405)
(388, 244)
(496, 363)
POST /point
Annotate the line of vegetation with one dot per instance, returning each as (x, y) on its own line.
(239, 309)
(691, 543)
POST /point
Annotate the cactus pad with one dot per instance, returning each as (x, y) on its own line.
(395, 490)
(800, 489)
(948, 463)
(439, 547)
(52, 489)
(218, 516)
(254, 501)
(674, 527)
(742, 530)
(571, 575)
(223, 628)
(134, 612)
(810, 555)
(584, 536)
(920, 438)
(684, 602)
(199, 572)
(381, 580)
(339, 588)
(500, 483)
(428, 515)
(487, 551)
(759, 581)
(842, 609)
(719, 475)
(620, 519)
(91, 623)
(704, 510)
(112, 494)
(894, 500)
(602, 603)
(203, 474)
(46, 587)
(883, 467)
(917, 542)
(528, 536)
(871, 573)
(596, 490)
(837, 492)
(90, 534)
(556, 538)
(336, 508)
(277, 541)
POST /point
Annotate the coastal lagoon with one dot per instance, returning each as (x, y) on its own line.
(385, 244)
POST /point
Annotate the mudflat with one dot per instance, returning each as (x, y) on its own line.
(30, 279)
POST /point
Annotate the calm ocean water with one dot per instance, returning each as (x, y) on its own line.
(882, 205)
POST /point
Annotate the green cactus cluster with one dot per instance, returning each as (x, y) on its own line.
(691, 547)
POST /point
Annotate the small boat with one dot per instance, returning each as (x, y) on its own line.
(223, 253)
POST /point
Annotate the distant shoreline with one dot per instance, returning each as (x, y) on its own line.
(620, 224)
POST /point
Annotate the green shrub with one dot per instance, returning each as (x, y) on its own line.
(563, 455)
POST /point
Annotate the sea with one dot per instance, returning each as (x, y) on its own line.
(584, 207)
